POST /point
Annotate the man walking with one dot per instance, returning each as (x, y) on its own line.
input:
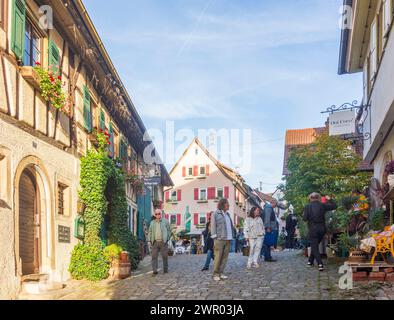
(270, 224)
(291, 223)
(158, 236)
(222, 231)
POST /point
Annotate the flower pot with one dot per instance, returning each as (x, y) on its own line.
(30, 75)
(357, 256)
(124, 256)
(119, 270)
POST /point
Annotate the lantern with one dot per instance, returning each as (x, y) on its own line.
(79, 228)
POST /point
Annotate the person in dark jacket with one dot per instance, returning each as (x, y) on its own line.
(291, 224)
(208, 246)
(314, 214)
(270, 225)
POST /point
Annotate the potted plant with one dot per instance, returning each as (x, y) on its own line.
(389, 170)
(120, 267)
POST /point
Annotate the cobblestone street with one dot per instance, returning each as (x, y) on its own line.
(288, 278)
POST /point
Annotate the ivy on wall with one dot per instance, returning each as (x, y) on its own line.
(103, 193)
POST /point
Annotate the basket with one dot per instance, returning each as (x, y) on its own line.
(357, 256)
(245, 251)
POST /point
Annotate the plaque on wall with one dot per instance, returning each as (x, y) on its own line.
(64, 234)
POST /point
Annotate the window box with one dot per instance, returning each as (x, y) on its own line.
(201, 177)
(200, 226)
(30, 75)
(202, 201)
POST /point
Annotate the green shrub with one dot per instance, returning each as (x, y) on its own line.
(112, 252)
(378, 219)
(88, 262)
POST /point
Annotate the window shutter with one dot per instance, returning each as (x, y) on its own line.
(102, 120)
(166, 216)
(207, 170)
(196, 219)
(196, 194)
(179, 195)
(18, 27)
(167, 196)
(195, 171)
(211, 193)
(111, 141)
(226, 192)
(178, 219)
(183, 171)
(54, 57)
(87, 117)
(373, 50)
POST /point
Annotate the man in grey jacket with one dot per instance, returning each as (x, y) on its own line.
(270, 224)
(222, 231)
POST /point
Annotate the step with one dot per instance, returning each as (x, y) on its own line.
(40, 286)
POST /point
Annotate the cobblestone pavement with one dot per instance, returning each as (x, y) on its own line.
(288, 278)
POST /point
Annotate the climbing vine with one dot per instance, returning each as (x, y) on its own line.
(103, 193)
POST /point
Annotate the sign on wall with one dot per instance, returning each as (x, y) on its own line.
(343, 122)
(152, 181)
(64, 234)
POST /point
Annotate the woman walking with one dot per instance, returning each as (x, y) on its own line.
(254, 232)
(208, 246)
(314, 214)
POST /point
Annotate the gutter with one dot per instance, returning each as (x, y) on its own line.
(344, 44)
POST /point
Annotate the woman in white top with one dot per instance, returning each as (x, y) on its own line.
(254, 232)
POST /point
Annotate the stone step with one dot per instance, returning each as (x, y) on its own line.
(37, 287)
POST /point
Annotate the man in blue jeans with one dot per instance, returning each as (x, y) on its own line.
(269, 220)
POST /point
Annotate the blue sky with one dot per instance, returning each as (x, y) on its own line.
(262, 65)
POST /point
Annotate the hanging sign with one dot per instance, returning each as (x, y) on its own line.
(152, 181)
(343, 122)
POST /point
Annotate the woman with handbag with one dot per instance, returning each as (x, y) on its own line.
(208, 246)
(254, 232)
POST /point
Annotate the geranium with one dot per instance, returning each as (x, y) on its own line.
(51, 88)
(390, 167)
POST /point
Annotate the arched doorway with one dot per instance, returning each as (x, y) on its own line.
(29, 223)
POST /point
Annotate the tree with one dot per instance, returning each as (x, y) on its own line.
(328, 166)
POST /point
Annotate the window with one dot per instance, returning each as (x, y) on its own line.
(173, 219)
(173, 195)
(373, 51)
(102, 120)
(196, 151)
(61, 199)
(203, 194)
(202, 171)
(219, 193)
(190, 171)
(18, 21)
(387, 17)
(202, 219)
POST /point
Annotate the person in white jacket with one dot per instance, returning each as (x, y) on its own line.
(254, 233)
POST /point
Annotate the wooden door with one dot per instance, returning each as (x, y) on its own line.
(29, 224)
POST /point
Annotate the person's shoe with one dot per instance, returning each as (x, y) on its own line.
(223, 277)
(310, 264)
(321, 268)
(154, 273)
(256, 265)
(249, 266)
(204, 269)
(216, 278)
(270, 260)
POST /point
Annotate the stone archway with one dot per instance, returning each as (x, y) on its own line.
(34, 228)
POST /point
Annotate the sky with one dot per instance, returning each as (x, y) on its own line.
(258, 65)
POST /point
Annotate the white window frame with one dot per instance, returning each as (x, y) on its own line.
(373, 45)
(187, 172)
(171, 216)
(202, 174)
(217, 192)
(387, 17)
(172, 198)
(199, 194)
(202, 216)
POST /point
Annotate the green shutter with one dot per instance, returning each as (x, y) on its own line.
(18, 27)
(102, 120)
(87, 117)
(54, 56)
(111, 140)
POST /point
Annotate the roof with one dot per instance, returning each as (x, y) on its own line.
(344, 43)
(228, 172)
(299, 137)
(268, 198)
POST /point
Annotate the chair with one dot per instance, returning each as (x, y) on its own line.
(383, 245)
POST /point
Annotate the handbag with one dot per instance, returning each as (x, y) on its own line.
(269, 239)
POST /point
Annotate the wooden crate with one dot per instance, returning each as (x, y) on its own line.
(366, 266)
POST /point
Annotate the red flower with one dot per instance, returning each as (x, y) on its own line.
(59, 77)
(37, 63)
(52, 79)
